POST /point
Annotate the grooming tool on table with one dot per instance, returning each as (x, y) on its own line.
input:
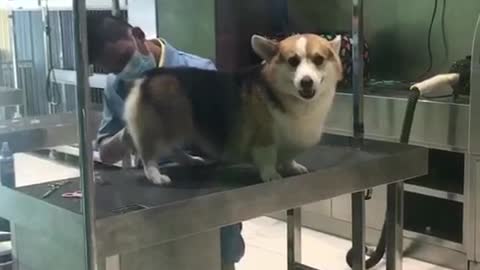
(76, 195)
(53, 188)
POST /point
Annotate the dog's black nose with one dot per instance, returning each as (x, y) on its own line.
(306, 82)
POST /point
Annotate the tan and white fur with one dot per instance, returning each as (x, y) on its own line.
(265, 116)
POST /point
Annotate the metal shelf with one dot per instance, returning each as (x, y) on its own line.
(451, 196)
(437, 124)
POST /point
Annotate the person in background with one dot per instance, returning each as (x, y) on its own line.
(123, 51)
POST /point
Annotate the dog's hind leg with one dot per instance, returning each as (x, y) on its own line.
(149, 154)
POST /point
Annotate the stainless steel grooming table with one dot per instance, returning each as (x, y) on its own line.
(206, 198)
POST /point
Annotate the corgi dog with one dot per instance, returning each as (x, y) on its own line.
(265, 115)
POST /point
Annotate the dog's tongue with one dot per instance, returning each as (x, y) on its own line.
(307, 94)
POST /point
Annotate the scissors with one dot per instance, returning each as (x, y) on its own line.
(53, 187)
(76, 194)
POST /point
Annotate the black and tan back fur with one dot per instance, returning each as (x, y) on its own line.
(242, 116)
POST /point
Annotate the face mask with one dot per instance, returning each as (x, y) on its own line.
(137, 65)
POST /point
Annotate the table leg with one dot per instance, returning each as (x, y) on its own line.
(294, 237)
(394, 228)
(358, 230)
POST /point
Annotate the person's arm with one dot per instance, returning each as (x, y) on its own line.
(113, 142)
(114, 148)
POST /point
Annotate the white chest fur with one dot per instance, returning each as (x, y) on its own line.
(304, 128)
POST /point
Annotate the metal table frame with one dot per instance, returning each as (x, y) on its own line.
(472, 173)
(346, 170)
(472, 163)
(394, 240)
(395, 190)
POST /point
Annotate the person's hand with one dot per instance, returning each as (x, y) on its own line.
(126, 138)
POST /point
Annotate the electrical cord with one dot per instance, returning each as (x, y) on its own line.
(376, 255)
(53, 94)
(429, 41)
(444, 33)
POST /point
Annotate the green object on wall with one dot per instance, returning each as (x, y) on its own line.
(188, 25)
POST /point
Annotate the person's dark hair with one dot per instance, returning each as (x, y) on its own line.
(102, 29)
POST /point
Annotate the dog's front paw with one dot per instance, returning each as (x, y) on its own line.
(160, 179)
(269, 175)
(293, 168)
(155, 177)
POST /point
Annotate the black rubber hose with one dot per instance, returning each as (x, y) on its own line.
(377, 254)
(379, 251)
(409, 114)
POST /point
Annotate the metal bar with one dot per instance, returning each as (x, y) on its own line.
(116, 8)
(472, 265)
(299, 266)
(61, 64)
(472, 158)
(357, 80)
(394, 236)
(474, 143)
(14, 57)
(451, 196)
(47, 49)
(294, 237)
(86, 160)
(358, 230)
(64, 76)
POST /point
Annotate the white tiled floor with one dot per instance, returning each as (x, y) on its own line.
(266, 249)
(30, 170)
(265, 237)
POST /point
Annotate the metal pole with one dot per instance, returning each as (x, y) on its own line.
(358, 230)
(394, 226)
(472, 161)
(13, 51)
(46, 50)
(116, 8)
(61, 64)
(357, 80)
(358, 198)
(83, 100)
(294, 237)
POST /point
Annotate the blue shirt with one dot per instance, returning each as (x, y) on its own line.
(115, 93)
(232, 244)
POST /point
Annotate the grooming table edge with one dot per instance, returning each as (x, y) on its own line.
(354, 171)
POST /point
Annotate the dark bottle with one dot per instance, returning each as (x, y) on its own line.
(7, 166)
(7, 177)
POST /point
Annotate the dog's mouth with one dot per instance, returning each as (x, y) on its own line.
(307, 93)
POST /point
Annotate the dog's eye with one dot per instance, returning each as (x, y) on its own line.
(294, 61)
(318, 60)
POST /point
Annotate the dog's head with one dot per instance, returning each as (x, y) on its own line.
(305, 66)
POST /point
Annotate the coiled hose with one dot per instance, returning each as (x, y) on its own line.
(377, 255)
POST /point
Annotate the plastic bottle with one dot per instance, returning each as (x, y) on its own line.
(7, 177)
(7, 166)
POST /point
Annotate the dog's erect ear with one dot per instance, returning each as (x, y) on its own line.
(336, 44)
(264, 47)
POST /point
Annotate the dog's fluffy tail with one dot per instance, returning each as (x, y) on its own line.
(132, 106)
